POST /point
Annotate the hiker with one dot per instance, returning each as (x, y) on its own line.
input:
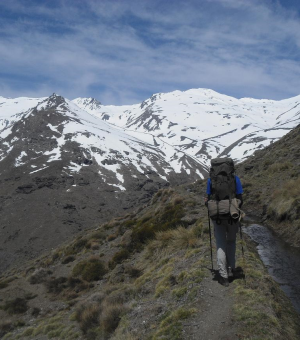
(224, 199)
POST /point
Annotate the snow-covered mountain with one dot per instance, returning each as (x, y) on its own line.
(173, 134)
(63, 170)
(68, 165)
(64, 123)
(202, 122)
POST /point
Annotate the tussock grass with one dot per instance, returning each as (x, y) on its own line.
(179, 292)
(39, 276)
(68, 259)
(99, 318)
(170, 327)
(119, 257)
(111, 315)
(16, 306)
(163, 285)
(169, 217)
(69, 287)
(92, 269)
(259, 303)
(77, 246)
(124, 336)
(5, 327)
(56, 285)
(278, 167)
(173, 240)
(5, 282)
(285, 202)
(121, 293)
(52, 328)
(87, 315)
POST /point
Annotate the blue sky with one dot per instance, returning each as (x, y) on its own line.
(121, 52)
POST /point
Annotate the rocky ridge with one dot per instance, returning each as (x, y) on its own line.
(63, 170)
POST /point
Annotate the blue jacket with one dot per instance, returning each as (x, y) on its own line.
(238, 187)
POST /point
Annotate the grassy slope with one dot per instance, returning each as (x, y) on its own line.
(140, 277)
(271, 179)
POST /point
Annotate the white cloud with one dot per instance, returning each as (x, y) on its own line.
(122, 52)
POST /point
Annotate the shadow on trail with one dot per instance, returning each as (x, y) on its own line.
(238, 274)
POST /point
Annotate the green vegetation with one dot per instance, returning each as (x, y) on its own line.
(179, 292)
(111, 316)
(170, 327)
(161, 279)
(53, 328)
(87, 315)
(68, 259)
(16, 306)
(99, 318)
(56, 285)
(4, 283)
(40, 275)
(285, 202)
(119, 257)
(92, 269)
(271, 180)
(259, 303)
(77, 246)
(169, 218)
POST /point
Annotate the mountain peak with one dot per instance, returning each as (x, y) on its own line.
(91, 103)
(53, 101)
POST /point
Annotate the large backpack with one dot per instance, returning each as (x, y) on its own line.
(222, 179)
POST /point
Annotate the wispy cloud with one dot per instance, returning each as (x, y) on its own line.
(123, 51)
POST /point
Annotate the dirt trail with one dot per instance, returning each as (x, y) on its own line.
(213, 321)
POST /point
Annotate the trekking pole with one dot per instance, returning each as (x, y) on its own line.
(211, 254)
(243, 253)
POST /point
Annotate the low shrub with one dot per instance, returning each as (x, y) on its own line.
(111, 316)
(119, 257)
(171, 327)
(111, 237)
(68, 259)
(56, 285)
(98, 235)
(39, 276)
(175, 239)
(133, 272)
(167, 218)
(76, 246)
(90, 270)
(87, 315)
(285, 202)
(128, 224)
(35, 311)
(3, 284)
(93, 244)
(177, 200)
(16, 306)
(278, 167)
(5, 327)
(179, 292)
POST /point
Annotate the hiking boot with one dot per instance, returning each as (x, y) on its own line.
(223, 281)
(238, 273)
(230, 272)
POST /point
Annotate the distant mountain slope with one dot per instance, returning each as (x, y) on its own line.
(62, 170)
(202, 122)
(11, 109)
(271, 178)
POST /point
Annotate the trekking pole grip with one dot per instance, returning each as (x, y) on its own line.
(211, 254)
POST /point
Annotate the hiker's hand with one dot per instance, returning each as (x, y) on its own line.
(205, 201)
